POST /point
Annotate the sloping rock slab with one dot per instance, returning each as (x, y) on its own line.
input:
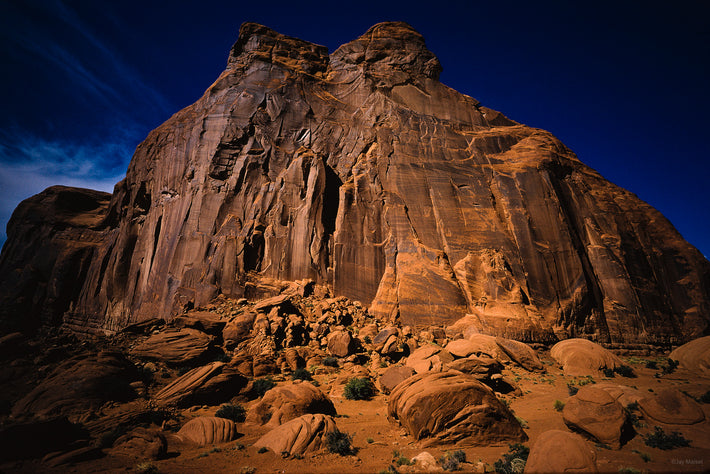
(451, 407)
(520, 353)
(205, 430)
(213, 383)
(429, 358)
(286, 402)
(481, 367)
(79, 385)
(560, 451)
(175, 347)
(671, 406)
(305, 434)
(595, 412)
(393, 376)
(580, 357)
(694, 356)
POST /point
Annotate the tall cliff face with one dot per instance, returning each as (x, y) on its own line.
(360, 170)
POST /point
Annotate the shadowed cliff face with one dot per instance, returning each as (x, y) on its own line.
(362, 171)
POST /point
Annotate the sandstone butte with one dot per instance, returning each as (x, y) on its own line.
(358, 170)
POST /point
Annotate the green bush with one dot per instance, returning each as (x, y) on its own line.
(651, 364)
(400, 459)
(659, 439)
(301, 374)
(452, 461)
(340, 443)
(559, 405)
(513, 462)
(359, 389)
(625, 371)
(236, 413)
(670, 367)
(261, 386)
(330, 361)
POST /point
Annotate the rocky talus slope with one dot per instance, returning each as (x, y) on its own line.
(361, 171)
(301, 381)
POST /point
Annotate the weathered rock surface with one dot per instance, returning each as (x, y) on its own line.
(583, 357)
(452, 407)
(213, 383)
(596, 413)
(286, 402)
(177, 346)
(560, 451)
(52, 238)
(205, 430)
(393, 376)
(429, 358)
(144, 443)
(520, 353)
(79, 385)
(671, 406)
(305, 434)
(694, 356)
(360, 170)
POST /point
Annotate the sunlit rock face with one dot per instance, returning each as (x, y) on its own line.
(360, 170)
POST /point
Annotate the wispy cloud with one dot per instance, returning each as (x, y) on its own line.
(72, 48)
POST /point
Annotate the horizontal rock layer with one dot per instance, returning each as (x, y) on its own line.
(360, 170)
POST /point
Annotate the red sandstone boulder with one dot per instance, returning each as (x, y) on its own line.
(206, 430)
(671, 406)
(429, 358)
(582, 357)
(213, 383)
(286, 402)
(175, 346)
(694, 356)
(341, 343)
(521, 354)
(305, 434)
(560, 451)
(451, 407)
(393, 376)
(597, 414)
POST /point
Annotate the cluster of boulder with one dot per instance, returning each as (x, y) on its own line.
(441, 387)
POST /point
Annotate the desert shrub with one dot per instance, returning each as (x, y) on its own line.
(400, 459)
(359, 389)
(670, 366)
(585, 381)
(659, 439)
(340, 443)
(631, 415)
(146, 468)
(330, 361)
(261, 386)
(301, 374)
(559, 405)
(513, 461)
(625, 371)
(367, 340)
(651, 364)
(452, 461)
(236, 413)
(705, 397)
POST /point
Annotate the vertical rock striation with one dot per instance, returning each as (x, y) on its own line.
(360, 170)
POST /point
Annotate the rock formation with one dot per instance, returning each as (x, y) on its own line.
(359, 170)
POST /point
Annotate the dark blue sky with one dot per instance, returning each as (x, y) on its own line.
(624, 84)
